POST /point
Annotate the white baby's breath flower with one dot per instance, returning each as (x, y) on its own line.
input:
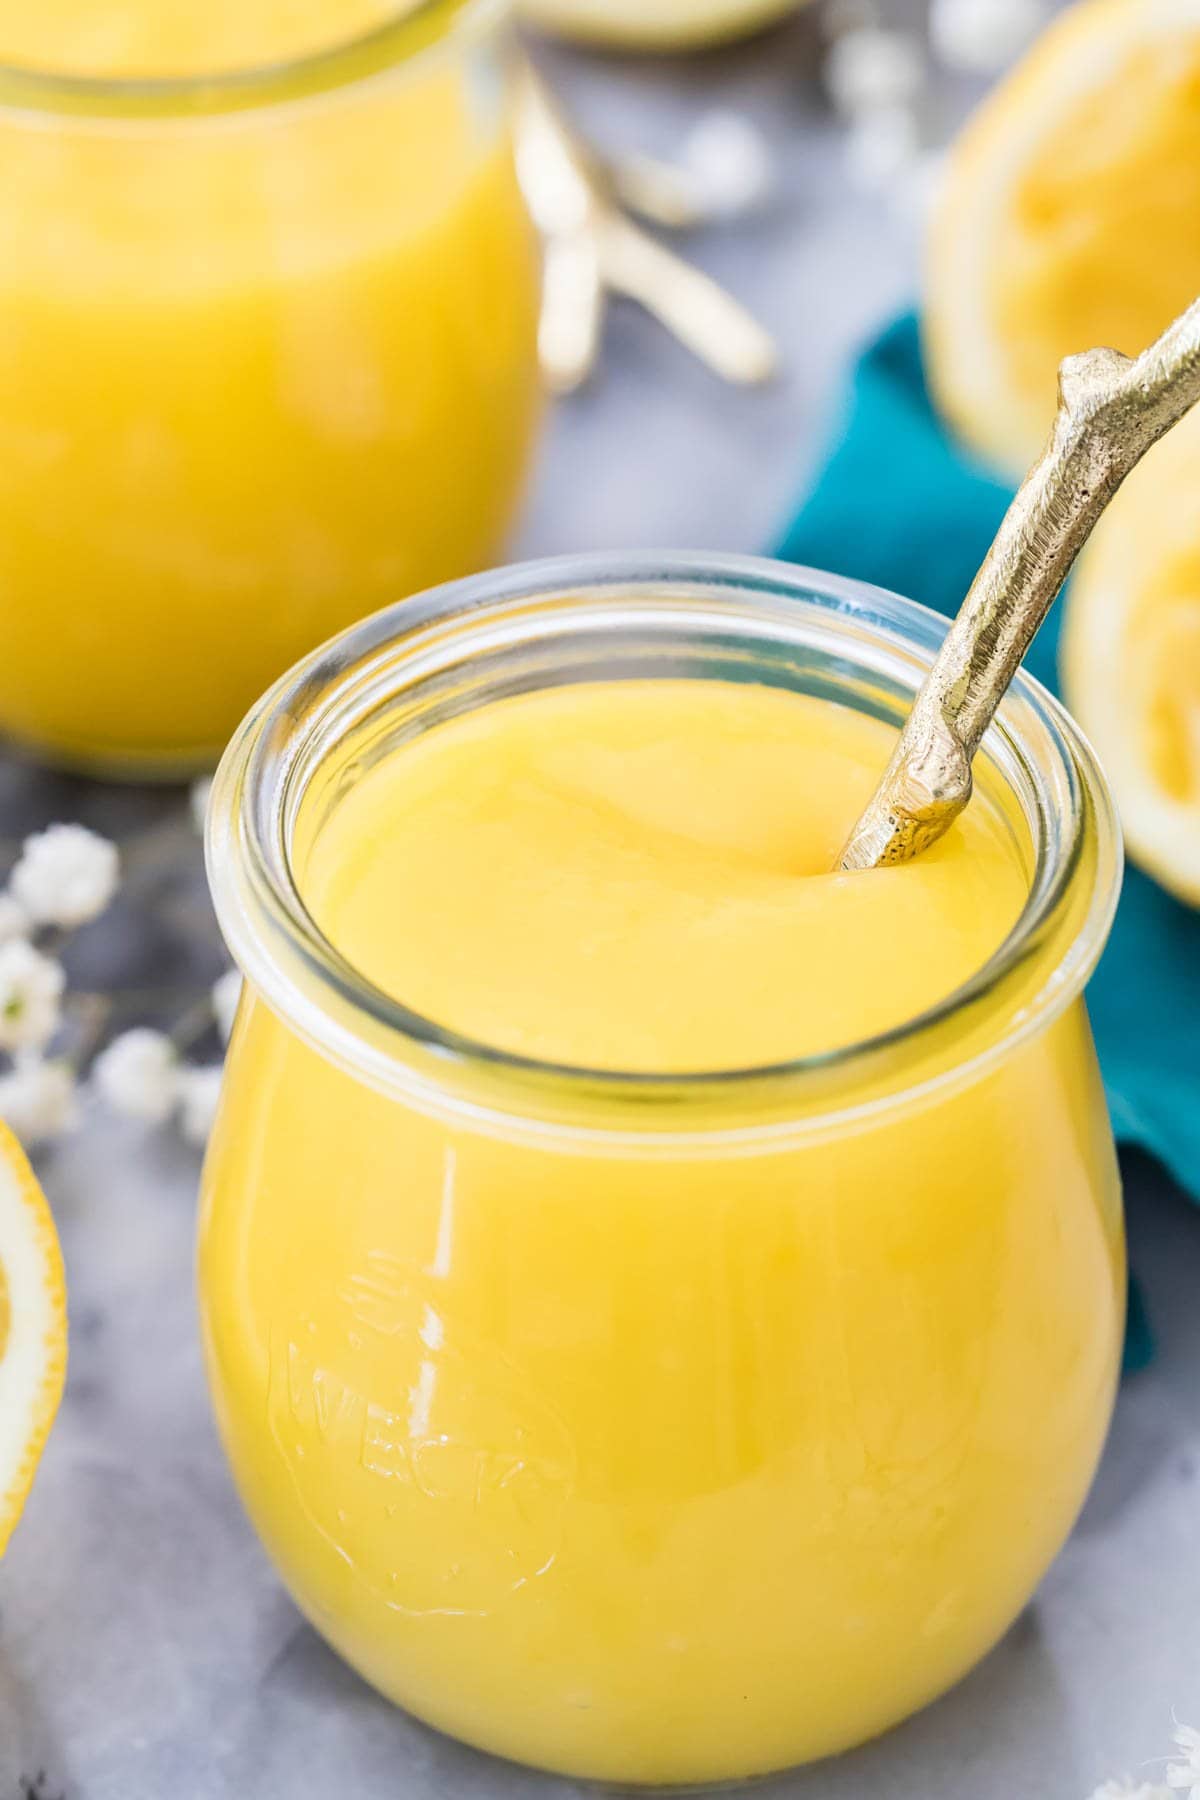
(198, 799)
(31, 988)
(38, 1100)
(199, 1091)
(1130, 1790)
(14, 920)
(1184, 1777)
(729, 158)
(873, 70)
(981, 37)
(226, 993)
(66, 875)
(138, 1075)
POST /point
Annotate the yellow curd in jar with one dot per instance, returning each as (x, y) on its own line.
(641, 1455)
(267, 350)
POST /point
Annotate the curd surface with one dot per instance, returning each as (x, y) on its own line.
(641, 876)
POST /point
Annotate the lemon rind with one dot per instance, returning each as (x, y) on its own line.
(33, 1367)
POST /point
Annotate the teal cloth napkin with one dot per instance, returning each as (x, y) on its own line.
(897, 502)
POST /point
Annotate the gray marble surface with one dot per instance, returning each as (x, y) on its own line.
(146, 1650)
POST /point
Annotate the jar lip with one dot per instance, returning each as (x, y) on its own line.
(402, 37)
(262, 914)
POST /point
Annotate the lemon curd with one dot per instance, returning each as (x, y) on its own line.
(662, 1297)
(638, 876)
(267, 347)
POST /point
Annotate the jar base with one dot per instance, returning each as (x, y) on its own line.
(613, 1780)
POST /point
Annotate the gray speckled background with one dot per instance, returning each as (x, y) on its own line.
(146, 1650)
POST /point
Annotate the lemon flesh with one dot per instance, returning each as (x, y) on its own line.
(1131, 657)
(1070, 217)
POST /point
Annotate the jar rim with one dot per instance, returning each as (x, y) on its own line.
(280, 948)
(400, 38)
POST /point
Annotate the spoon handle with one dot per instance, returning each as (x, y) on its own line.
(716, 328)
(592, 249)
(1111, 410)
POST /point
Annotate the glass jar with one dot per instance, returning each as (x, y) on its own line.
(656, 1429)
(267, 360)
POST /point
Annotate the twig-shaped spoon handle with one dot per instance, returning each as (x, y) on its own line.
(1111, 410)
(592, 249)
(714, 326)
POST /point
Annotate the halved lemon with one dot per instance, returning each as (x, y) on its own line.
(1069, 217)
(1130, 657)
(33, 1329)
(654, 24)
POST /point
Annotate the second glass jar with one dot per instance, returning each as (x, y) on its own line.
(267, 359)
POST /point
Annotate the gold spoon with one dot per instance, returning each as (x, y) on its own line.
(1111, 409)
(592, 249)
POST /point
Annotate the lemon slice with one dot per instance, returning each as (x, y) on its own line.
(1130, 656)
(1069, 217)
(654, 24)
(33, 1329)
